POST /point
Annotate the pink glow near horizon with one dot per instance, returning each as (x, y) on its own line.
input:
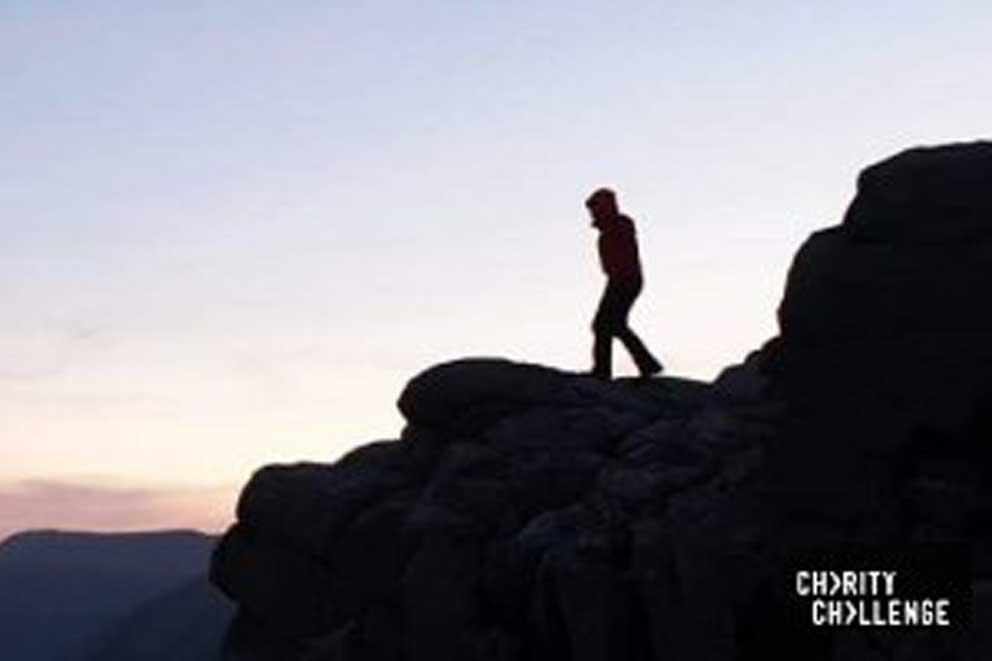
(68, 506)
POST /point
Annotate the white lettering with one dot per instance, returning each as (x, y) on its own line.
(819, 619)
(802, 588)
(890, 582)
(943, 619)
(819, 582)
(894, 612)
(850, 582)
(912, 612)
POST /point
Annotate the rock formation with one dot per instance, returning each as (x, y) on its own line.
(529, 513)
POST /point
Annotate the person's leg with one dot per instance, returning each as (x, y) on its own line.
(602, 356)
(646, 363)
(604, 326)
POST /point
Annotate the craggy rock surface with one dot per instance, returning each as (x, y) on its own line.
(530, 513)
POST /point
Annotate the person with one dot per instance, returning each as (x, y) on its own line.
(619, 259)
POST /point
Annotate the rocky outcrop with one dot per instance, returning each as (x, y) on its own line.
(532, 513)
(885, 351)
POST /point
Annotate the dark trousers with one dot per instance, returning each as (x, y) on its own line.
(611, 321)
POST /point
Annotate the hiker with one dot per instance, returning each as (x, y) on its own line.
(621, 264)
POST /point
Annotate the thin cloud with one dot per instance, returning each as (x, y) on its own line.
(33, 504)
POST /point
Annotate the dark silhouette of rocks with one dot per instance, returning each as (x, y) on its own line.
(531, 513)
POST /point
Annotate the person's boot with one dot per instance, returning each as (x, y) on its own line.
(650, 369)
(646, 363)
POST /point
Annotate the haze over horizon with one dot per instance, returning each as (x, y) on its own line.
(232, 233)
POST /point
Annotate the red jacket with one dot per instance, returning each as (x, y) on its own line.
(618, 249)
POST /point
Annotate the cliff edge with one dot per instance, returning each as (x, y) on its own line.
(530, 513)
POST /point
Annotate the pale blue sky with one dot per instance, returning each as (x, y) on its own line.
(232, 231)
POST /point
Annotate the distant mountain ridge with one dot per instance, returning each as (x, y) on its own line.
(65, 596)
(185, 623)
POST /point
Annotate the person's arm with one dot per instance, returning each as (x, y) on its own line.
(610, 253)
(626, 262)
(618, 250)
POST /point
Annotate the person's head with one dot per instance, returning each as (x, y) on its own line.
(602, 205)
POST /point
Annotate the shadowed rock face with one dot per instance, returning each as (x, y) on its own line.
(531, 513)
(885, 353)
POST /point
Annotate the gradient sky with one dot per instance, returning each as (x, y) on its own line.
(232, 231)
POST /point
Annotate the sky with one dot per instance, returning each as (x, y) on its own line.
(232, 231)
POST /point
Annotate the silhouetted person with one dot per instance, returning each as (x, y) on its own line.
(622, 266)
